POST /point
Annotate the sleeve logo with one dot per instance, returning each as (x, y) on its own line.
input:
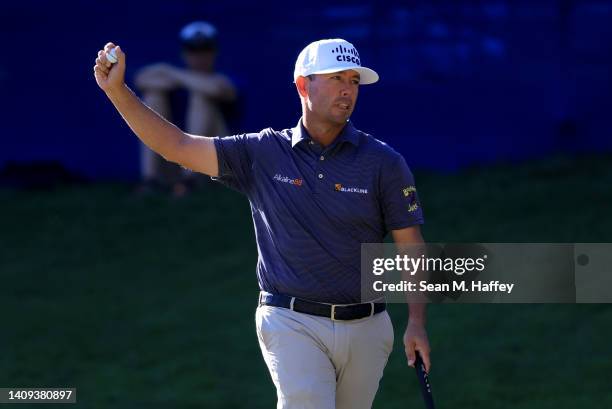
(410, 194)
(407, 191)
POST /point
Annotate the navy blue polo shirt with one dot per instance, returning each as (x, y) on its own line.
(313, 206)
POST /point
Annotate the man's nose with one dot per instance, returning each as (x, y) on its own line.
(346, 90)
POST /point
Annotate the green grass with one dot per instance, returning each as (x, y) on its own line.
(127, 298)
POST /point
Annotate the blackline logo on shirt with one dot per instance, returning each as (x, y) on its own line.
(285, 179)
(339, 188)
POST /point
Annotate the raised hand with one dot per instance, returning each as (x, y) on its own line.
(110, 76)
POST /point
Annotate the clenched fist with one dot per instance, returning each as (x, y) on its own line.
(110, 76)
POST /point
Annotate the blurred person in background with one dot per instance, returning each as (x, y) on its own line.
(211, 96)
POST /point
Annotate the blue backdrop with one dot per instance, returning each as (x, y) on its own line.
(462, 82)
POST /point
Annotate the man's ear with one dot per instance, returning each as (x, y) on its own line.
(301, 85)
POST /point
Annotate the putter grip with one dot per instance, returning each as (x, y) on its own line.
(423, 381)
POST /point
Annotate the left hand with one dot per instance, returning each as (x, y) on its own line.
(415, 339)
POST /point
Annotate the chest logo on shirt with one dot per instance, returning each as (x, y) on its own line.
(339, 188)
(291, 181)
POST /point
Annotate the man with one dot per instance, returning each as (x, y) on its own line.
(317, 192)
(208, 93)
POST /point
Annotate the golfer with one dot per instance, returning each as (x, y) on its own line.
(317, 191)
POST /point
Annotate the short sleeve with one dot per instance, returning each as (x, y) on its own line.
(234, 155)
(400, 201)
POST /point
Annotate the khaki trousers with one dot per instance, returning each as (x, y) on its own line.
(317, 363)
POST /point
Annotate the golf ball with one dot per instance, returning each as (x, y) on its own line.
(111, 56)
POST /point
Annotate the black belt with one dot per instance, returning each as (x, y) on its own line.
(337, 312)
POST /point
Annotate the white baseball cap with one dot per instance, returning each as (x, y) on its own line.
(326, 56)
(199, 35)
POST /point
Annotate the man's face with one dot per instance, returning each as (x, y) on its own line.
(332, 97)
(200, 60)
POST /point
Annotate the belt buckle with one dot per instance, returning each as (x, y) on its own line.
(333, 312)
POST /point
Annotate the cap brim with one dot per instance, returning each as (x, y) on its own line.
(366, 75)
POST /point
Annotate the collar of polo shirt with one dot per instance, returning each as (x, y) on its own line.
(349, 134)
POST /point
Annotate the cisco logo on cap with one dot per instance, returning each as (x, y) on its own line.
(332, 55)
(346, 54)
